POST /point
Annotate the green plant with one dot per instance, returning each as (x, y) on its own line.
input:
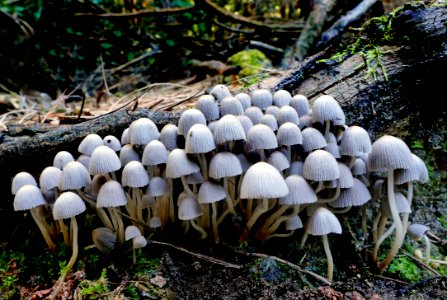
(252, 62)
(9, 274)
(146, 267)
(95, 289)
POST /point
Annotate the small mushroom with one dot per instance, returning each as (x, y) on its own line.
(418, 232)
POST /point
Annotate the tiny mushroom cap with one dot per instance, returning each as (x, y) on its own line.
(272, 110)
(289, 134)
(228, 129)
(323, 222)
(188, 118)
(168, 136)
(320, 165)
(68, 205)
(112, 142)
(128, 154)
(89, 143)
(255, 114)
(245, 162)
(134, 175)
(74, 176)
(262, 180)
(158, 187)
(389, 153)
(155, 222)
(306, 121)
(296, 168)
(270, 121)
(208, 106)
(417, 231)
(244, 99)
(333, 149)
(62, 158)
(301, 104)
(22, 179)
(326, 108)
(142, 131)
(300, 191)
(401, 202)
(356, 195)
(49, 178)
(104, 160)
(189, 208)
(288, 114)
(27, 197)
(179, 165)
(417, 172)
(294, 223)
(355, 141)
(231, 106)
(212, 125)
(224, 164)
(199, 139)
(195, 178)
(312, 139)
(211, 192)
(346, 180)
(131, 232)
(261, 136)
(139, 242)
(125, 138)
(111, 194)
(262, 98)
(281, 98)
(104, 239)
(359, 167)
(279, 161)
(220, 91)
(155, 153)
(245, 122)
(84, 160)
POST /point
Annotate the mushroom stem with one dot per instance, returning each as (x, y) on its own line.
(199, 229)
(171, 200)
(364, 220)
(42, 229)
(289, 154)
(114, 212)
(380, 241)
(282, 235)
(203, 165)
(215, 224)
(187, 188)
(374, 226)
(249, 208)
(327, 127)
(330, 261)
(64, 232)
(273, 217)
(304, 239)
(398, 239)
(341, 210)
(279, 220)
(427, 249)
(405, 216)
(331, 199)
(256, 214)
(230, 205)
(134, 255)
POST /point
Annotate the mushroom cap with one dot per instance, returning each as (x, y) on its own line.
(356, 195)
(134, 175)
(306, 121)
(27, 197)
(74, 176)
(189, 118)
(254, 113)
(131, 232)
(359, 167)
(279, 161)
(22, 179)
(139, 242)
(389, 153)
(104, 160)
(104, 239)
(62, 158)
(125, 138)
(262, 98)
(245, 162)
(112, 142)
(142, 131)
(111, 194)
(208, 106)
(294, 223)
(68, 205)
(272, 110)
(49, 178)
(288, 114)
(231, 106)
(296, 168)
(128, 154)
(97, 181)
(333, 149)
(244, 99)
(262, 180)
(245, 122)
(281, 98)
(417, 172)
(312, 139)
(261, 136)
(401, 203)
(417, 231)
(194, 178)
(155, 153)
(89, 143)
(158, 187)
(211, 192)
(289, 134)
(301, 104)
(355, 141)
(168, 136)
(224, 164)
(179, 165)
(199, 139)
(84, 160)
(228, 129)
(323, 222)
(300, 191)
(326, 108)
(346, 180)
(155, 222)
(270, 121)
(189, 208)
(220, 91)
(320, 165)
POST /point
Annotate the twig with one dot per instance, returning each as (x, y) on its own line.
(199, 255)
(389, 278)
(422, 263)
(141, 13)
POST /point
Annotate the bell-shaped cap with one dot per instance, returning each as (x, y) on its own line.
(301, 104)
(355, 141)
(142, 131)
(281, 98)
(262, 180)
(417, 231)
(270, 121)
(112, 142)
(294, 223)
(125, 138)
(74, 176)
(261, 136)
(244, 99)
(128, 154)
(296, 168)
(179, 165)
(245, 122)
(306, 121)
(84, 160)
(111, 194)
(401, 203)
(389, 153)
(323, 222)
(211, 192)
(89, 143)
(27, 197)
(262, 98)
(346, 180)
(231, 106)
(300, 191)
(168, 136)
(104, 239)
(195, 178)
(279, 161)
(155, 153)
(333, 149)
(62, 158)
(155, 222)
(68, 205)
(189, 118)
(320, 165)
(139, 242)
(134, 175)
(189, 208)
(220, 92)
(272, 110)
(131, 232)
(22, 179)
(288, 114)
(356, 195)
(416, 172)
(255, 114)
(326, 108)
(313, 139)
(199, 139)
(208, 106)
(224, 164)
(104, 160)
(158, 187)
(49, 178)
(228, 129)
(359, 167)
(289, 134)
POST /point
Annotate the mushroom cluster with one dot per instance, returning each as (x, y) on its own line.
(271, 161)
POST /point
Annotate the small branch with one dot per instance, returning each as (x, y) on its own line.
(141, 13)
(422, 264)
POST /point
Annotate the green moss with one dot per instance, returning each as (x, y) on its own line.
(251, 62)
(95, 289)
